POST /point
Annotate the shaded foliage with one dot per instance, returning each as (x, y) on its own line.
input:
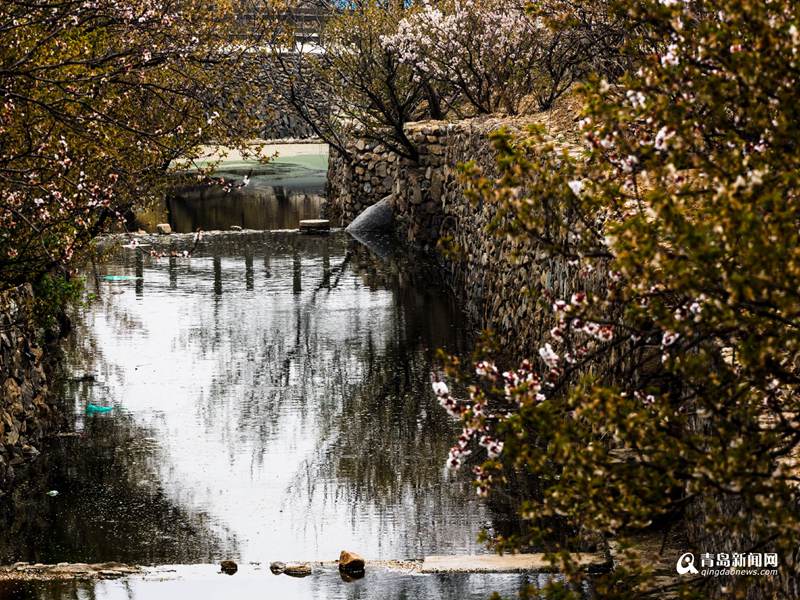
(673, 392)
(98, 98)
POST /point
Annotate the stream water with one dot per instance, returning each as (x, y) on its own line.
(278, 195)
(266, 399)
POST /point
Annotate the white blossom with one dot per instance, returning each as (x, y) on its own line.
(549, 356)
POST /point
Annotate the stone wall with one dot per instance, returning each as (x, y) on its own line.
(278, 117)
(505, 286)
(25, 414)
(357, 183)
(284, 125)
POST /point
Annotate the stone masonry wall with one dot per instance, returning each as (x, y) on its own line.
(361, 182)
(279, 119)
(25, 414)
(489, 273)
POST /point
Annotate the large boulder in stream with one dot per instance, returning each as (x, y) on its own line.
(351, 563)
(377, 217)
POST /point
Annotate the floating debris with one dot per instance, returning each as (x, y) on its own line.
(52, 493)
(295, 569)
(277, 567)
(94, 408)
(120, 278)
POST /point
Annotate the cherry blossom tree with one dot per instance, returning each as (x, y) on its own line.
(97, 99)
(666, 396)
(491, 54)
(349, 83)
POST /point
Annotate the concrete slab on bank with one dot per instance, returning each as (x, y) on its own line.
(507, 563)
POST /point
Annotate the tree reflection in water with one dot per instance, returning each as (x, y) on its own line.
(257, 585)
(110, 504)
(272, 402)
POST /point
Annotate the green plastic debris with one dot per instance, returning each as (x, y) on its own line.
(52, 493)
(120, 278)
(93, 408)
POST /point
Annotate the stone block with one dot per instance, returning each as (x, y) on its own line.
(11, 391)
(436, 186)
(416, 193)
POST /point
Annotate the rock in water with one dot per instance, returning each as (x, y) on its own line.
(164, 228)
(277, 567)
(351, 563)
(228, 567)
(377, 217)
(297, 569)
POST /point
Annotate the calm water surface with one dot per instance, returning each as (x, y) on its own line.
(269, 400)
(256, 584)
(278, 196)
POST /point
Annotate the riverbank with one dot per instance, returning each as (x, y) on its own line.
(27, 413)
(506, 285)
(502, 283)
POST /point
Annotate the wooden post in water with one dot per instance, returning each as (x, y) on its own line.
(249, 282)
(297, 270)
